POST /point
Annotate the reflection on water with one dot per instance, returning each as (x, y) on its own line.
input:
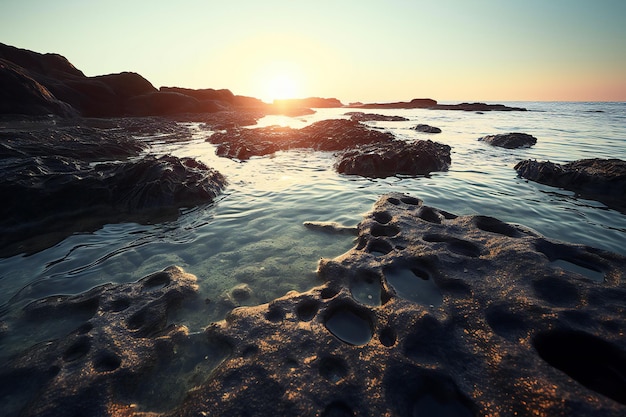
(254, 234)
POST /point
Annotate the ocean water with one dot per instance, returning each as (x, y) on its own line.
(253, 235)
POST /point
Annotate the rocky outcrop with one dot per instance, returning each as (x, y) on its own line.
(426, 128)
(121, 350)
(429, 314)
(325, 135)
(382, 160)
(63, 180)
(367, 117)
(603, 180)
(416, 103)
(510, 140)
(477, 107)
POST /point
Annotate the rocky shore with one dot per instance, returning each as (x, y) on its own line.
(430, 313)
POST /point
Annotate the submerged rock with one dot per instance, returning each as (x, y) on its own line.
(510, 140)
(599, 179)
(393, 158)
(430, 314)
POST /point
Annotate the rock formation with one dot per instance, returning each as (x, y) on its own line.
(426, 128)
(603, 180)
(416, 103)
(367, 117)
(380, 160)
(477, 107)
(429, 314)
(510, 140)
(56, 176)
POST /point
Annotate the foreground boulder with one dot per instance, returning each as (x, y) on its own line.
(429, 314)
(603, 180)
(510, 140)
(392, 158)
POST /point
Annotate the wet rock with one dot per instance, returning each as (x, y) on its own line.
(476, 107)
(603, 180)
(367, 117)
(393, 158)
(510, 140)
(330, 227)
(55, 196)
(325, 135)
(416, 103)
(426, 128)
(468, 316)
(121, 352)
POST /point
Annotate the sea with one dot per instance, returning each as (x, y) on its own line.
(252, 236)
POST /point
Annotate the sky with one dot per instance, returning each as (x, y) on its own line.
(368, 51)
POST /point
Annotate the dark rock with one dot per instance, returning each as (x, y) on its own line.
(603, 180)
(162, 103)
(121, 351)
(476, 107)
(430, 314)
(21, 94)
(416, 103)
(325, 135)
(366, 117)
(426, 128)
(510, 140)
(393, 158)
(58, 184)
(330, 227)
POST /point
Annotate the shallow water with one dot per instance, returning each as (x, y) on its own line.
(253, 234)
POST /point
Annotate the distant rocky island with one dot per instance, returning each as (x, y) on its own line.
(41, 84)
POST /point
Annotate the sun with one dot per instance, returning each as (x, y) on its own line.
(279, 80)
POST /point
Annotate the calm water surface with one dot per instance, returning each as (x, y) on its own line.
(254, 235)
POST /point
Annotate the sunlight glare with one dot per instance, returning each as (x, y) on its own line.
(280, 80)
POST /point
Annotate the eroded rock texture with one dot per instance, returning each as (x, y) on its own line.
(426, 128)
(599, 179)
(397, 157)
(510, 140)
(360, 116)
(122, 351)
(430, 314)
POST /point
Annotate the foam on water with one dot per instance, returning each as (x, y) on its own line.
(254, 233)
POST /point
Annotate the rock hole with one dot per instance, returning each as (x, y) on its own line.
(365, 287)
(506, 323)
(106, 362)
(361, 243)
(434, 238)
(388, 336)
(307, 309)
(576, 267)
(250, 351)
(411, 201)
(429, 215)
(275, 314)
(350, 325)
(120, 304)
(593, 362)
(493, 225)
(556, 291)
(333, 368)
(379, 248)
(137, 320)
(156, 281)
(329, 292)
(77, 350)
(337, 409)
(413, 284)
(393, 201)
(384, 230)
(465, 248)
(382, 217)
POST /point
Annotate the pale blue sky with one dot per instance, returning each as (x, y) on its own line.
(353, 50)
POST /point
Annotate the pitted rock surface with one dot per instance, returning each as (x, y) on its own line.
(122, 351)
(429, 314)
(599, 179)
